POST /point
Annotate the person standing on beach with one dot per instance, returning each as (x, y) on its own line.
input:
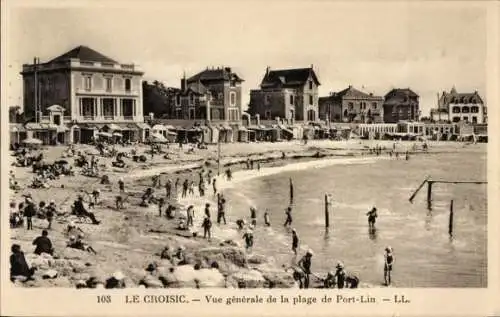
(258, 166)
(253, 216)
(201, 188)
(214, 186)
(229, 174)
(207, 210)
(305, 264)
(190, 215)
(161, 203)
(209, 177)
(177, 182)
(288, 212)
(221, 212)
(295, 241)
(121, 185)
(29, 212)
(388, 262)
(207, 225)
(340, 275)
(49, 213)
(372, 217)
(266, 218)
(185, 186)
(191, 188)
(168, 189)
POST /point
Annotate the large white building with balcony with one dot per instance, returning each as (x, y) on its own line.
(460, 107)
(94, 93)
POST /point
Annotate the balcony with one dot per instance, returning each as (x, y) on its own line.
(88, 117)
(128, 117)
(109, 117)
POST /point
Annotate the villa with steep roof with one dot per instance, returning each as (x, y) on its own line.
(93, 92)
(460, 107)
(401, 105)
(290, 94)
(352, 105)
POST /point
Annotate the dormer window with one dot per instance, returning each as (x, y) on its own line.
(311, 84)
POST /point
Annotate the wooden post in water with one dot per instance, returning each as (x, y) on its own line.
(429, 194)
(450, 223)
(291, 191)
(327, 212)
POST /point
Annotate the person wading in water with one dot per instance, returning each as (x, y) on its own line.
(295, 241)
(372, 217)
(288, 212)
(266, 218)
(389, 261)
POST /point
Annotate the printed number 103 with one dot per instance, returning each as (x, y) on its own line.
(104, 299)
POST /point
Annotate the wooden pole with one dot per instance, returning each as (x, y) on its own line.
(291, 191)
(450, 223)
(218, 156)
(418, 189)
(429, 194)
(327, 213)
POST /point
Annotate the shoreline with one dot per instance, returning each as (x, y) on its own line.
(140, 229)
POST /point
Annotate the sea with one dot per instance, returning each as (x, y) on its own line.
(425, 254)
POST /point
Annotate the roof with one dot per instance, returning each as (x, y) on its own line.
(398, 96)
(353, 93)
(84, 53)
(288, 77)
(224, 73)
(455, 97)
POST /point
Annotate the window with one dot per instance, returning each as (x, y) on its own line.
(268, 99)
(88, 83)
(465, 109)
(108, 106)
(311, 115)
(474, 109)
(374, 105)
(268, 115)
(109, 84)
(350, 106)
(311, 100)
(87, 107)
(178, 114)
(191, 113)
(178, 100)
(311, 84)
(466, 119)
(232, 98)
(128, 84)
(474, 119)
(191, 98)
(456, 109)
(57, 119)
(291, 99)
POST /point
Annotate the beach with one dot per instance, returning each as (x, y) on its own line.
(131, 238)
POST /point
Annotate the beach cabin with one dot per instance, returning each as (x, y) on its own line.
(242, 134)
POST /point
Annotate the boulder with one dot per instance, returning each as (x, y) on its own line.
(233, 255)
(49, 274)
(249, 278)
(257, 259)
(151, 282)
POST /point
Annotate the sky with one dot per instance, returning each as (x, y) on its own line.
(426, 46)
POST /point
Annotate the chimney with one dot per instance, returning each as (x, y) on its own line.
(267, 70)
(312, 66)
(228, 69)
(350, 86)
(183, 82)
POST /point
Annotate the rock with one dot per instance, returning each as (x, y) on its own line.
(151, 282)
(49, 274)
(249, 279)
(36, 261)
(210, 278)
(61, 281)
(77, 266)
(233, 255)
(72, 253)
(257, 259)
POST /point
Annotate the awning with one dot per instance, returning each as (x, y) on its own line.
(113, 127)
(106, 134)
(142, 125)
(33, 126)
(242, 128)
(118, 134)
(159, 127)
(253, 127)
(88, 126)
(169, 127)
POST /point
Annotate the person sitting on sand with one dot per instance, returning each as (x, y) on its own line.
(182, 224)
(329, 281)
(240, 223)
(147, 197)
(43, 244)
(165, 253)
(81, 211)
(77, 243)
(179, 257)
(19, 268)
(170, 211)
(117, 280)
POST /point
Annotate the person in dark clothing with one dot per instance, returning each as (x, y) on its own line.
(288, 212)
(190, 215)
(185, 187)
(201, 188)
(352, 281)
(240, 223)
(248, 236)
(168, 189)
(43, 244)
(295, 241)
(121, 185)
(29, 212)
(389, 261)
(50, 212)
(253, 216)
(221, 212)
(95, 194)
(372, 217)
(177, 182)
(81, 211)
(340, 275)
(207, 210)
(305, 265)
(18, 264)
(161, 203)
(329, 281)
(116, 281)
(229, 174)
(207, 225)
(214, 186)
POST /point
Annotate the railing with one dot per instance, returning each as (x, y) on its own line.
(88, 117)
(128, 117)
(109, 117)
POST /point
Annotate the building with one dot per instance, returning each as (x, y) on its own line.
(286, 93)
(352, 105)
(92, 92)
(213, 94)
(456, 107)
(401, 105)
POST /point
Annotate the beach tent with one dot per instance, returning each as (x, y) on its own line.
(105, 134)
